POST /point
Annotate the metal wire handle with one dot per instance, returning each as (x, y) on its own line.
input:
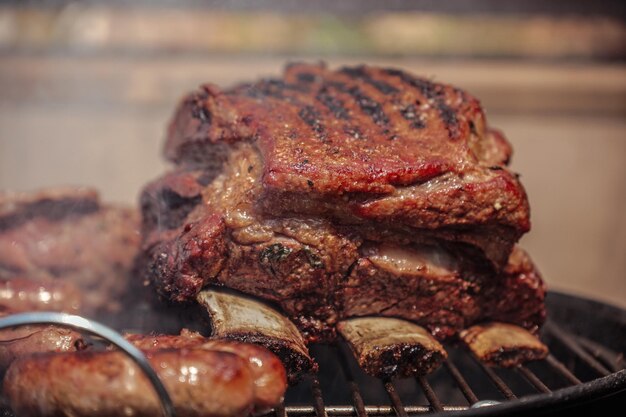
(98, 329)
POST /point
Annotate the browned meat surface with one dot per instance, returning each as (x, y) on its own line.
(69, 237)
(201, 383)
(185, 340)
(363, 144)
(270, 381)
(387, 347)
(343, 193)
(432, 288)
(21, 294)
(503, 344)
(200, 231)
(26, 340)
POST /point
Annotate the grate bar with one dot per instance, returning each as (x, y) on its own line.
(395, 399)
(614, 362)
(569, 342)
(461, 382)
(357, 399)
(497, 381)
(562, 369)
(430, 393)
(318, 401)
(279, 411)
(533, 379)
(374, 410)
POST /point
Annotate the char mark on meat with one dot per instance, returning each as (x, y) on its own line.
(434, 93)
(361, 73)
(332, 103)
(313, 118)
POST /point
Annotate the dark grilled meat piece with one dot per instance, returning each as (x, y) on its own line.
(388, 348)
(200, 230)
(68, 237)
(503, 344)
(363, 144)
(338, 194)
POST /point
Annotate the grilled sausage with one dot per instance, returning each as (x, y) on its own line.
(269, 375)
(26, 340)
(21, 294)
(200, 382)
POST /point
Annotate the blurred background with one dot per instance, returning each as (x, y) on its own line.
(86, 90)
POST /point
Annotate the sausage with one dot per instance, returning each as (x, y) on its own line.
(269, 375)
(26, 340)
(148, 342)
(97, 384)
(21, 294)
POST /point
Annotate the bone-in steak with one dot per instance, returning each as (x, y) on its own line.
(338, 194)
(200, 230)
(364, 144)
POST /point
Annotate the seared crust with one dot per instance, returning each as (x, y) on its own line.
(361, 143)
(503, 344)
(388, 347)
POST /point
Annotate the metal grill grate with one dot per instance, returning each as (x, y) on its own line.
(584, 364)
(462, 383)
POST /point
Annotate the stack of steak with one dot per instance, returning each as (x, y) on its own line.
(343, 193)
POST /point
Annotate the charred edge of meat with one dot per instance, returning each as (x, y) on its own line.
(274, 88)
(53, 210)
(388, 347)
(361, 73)
(503, 344)
(432, 92)
(192, 154)
(510, 357)
(296, 364)
(401, 360)
(167, 209)
(305, 77)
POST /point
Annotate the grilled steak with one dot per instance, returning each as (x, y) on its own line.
(200, 230)
(66, 239)
(339, 194)
(360, 145)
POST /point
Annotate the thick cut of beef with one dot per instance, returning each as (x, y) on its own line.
(361, 145)
(71, 243)
(203, 228)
